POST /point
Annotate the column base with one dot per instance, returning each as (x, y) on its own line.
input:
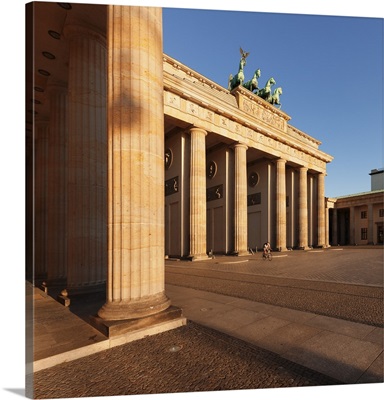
(122, 327)
(132, 309)
(198, 257)
(281, 249)
(240, 253)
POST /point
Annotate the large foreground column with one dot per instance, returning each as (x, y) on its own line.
(135, 283)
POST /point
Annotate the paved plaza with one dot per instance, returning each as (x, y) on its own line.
(304, 319)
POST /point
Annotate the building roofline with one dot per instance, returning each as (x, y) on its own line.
(372, 192)
(377, 171)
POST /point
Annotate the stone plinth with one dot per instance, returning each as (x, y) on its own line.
(122, 327)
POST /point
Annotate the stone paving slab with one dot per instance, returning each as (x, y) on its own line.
(335, 355)
(346, 351)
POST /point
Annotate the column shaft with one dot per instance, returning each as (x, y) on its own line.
(87, 160)
(352, 237)
(326, 226)
(135, 286)
(303, 209)
(281, 205)
(320, 210)
(56, 218)
(241, 227)
(198, 196)
(41, 170)
(335, 241)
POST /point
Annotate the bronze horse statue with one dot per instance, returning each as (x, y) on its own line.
(275, 98)
(238, 79)
(253, 84)
(265, 93)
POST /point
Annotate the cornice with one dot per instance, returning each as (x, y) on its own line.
(226, 104)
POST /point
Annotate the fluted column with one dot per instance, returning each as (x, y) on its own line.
(303, 209)
(320, 210)
(334, 227)
(56, 217)
(281, 205)
(198, 196)
(241, 227)
(87, 161)
(352, 229)
(135, 284)
(326, 225)
(41, 170)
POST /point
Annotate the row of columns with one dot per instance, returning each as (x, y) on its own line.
(99, 170)
(91, 179)
(70, 154)
(198, 201)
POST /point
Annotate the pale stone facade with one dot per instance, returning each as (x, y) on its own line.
(137, 157)
(358, 219)
(264, 179)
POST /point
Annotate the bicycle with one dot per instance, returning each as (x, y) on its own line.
(267, 255)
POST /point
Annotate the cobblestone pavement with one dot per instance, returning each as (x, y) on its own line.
(342, 284)
(195, 358)
(188, 359)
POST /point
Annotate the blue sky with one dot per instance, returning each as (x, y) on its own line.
(330, 69)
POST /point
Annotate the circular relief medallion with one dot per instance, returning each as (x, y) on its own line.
(211, 169)
(253, 179)
(168, 158)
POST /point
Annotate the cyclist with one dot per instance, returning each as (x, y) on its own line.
(266, 249)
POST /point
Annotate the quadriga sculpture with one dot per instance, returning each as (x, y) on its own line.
(238, 79)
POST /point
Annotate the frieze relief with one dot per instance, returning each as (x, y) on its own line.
(224, 122)
(250, 108)
(172, 99)
(209, 115)
(192, 108)
(264, 115)
(254, 135)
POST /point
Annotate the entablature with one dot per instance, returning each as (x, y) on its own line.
(240, 115)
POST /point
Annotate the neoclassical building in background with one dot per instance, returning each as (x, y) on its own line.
(358, 219)
(133, 157)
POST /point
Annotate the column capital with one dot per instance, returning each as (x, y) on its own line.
(197, 129)
(240, 145)
(280, 161)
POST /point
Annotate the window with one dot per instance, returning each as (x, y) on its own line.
(381, 212)
(364, 233)
(363, 215)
